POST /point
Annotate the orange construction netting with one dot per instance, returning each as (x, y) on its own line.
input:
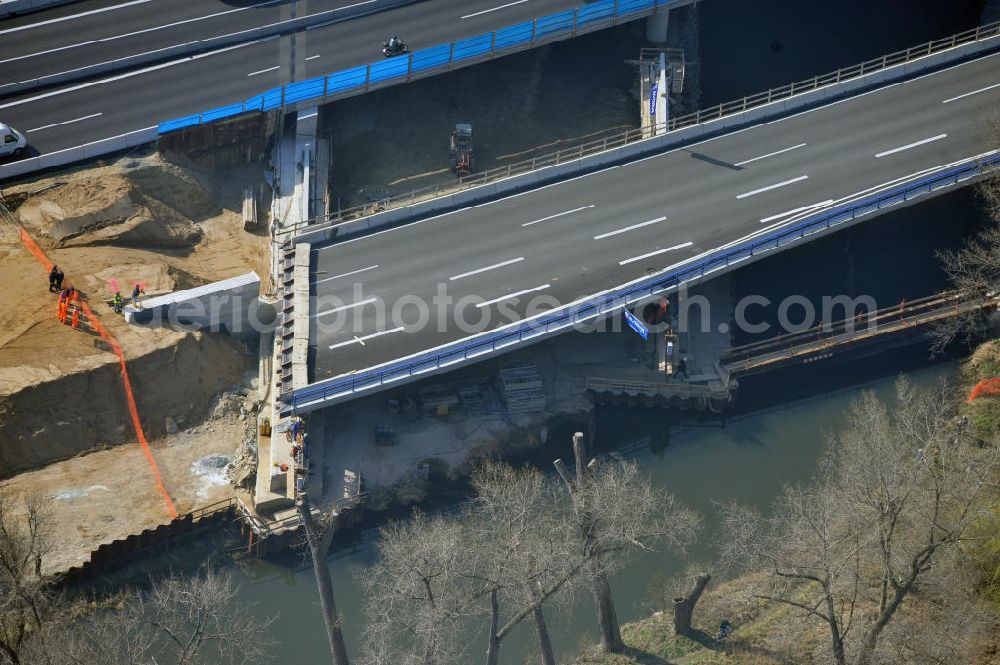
(95, 323)
(985, 387)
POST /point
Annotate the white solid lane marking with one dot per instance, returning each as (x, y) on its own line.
(774, 186)
(140, 32)
(659, 251)
(346, 274)
(911, 145)
(364, 338)
(487, 11)
(338, 9)
(70, 18)
(630, 228)
(263, 71)
(67, 122)
(512, 295)
(770, 154)
(312, 57)
(558, 214)
(479, 270)
(821, 204)
(190, 20)
(119, 77)
(360, 303)
(51, 50)
(969, 94)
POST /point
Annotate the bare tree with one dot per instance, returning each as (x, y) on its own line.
(893, 500)
(417, 593)
(318, 539)
(500, 558)
(975, 267)
(989, 187)
(515, 547)
(522, 549)
(614, 512)
(179, 621)
(26, 597)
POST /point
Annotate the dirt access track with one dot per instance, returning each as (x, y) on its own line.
(138, 220)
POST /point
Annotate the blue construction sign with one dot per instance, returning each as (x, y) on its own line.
(652, 99)
(635, 324)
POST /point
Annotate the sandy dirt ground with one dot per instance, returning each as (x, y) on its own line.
(109, 494)
(137, 220)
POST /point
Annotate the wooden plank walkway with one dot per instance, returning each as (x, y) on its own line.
(903, 318)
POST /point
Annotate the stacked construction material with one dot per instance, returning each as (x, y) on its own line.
(521, 387)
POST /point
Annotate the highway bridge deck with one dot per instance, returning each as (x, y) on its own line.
(591, 233)
(78, 113)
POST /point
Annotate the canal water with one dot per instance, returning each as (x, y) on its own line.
(777, 431)
(748, 458)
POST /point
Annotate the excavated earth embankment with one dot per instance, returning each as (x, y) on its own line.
(86, 410)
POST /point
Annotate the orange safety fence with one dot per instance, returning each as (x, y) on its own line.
(96, 325)
(985, 387)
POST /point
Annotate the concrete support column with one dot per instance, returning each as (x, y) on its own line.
(656, 26)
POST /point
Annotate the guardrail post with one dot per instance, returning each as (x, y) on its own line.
(493, 42)
(575, 12)
(451, 55)
(368, 76)
(534, 28)
(409, 67)
(615, 16)
(282, 101)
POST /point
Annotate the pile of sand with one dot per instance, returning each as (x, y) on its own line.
(139, 203)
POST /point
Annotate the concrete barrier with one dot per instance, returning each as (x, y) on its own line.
(301, 318)
(645, 147)
(230, 305)
(78, 153)
(14, 7)
(201, 45)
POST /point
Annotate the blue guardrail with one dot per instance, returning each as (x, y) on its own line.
(444, 55)
(589, 310)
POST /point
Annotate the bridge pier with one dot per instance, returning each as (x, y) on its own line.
(656, 27)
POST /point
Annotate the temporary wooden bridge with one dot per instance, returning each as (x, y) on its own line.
(823, 340)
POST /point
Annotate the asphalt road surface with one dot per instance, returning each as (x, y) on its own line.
(83, 112)
(591, 233)
(70, 37)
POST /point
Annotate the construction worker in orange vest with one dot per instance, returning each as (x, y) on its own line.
(62, 310)
(76, 317)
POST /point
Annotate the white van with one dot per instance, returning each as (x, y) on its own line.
(12, 142)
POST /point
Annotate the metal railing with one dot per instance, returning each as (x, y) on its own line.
(609, 302)
(906, 316)
(433, 60)
(626, 137)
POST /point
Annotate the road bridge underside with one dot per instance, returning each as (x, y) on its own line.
(595, 232)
